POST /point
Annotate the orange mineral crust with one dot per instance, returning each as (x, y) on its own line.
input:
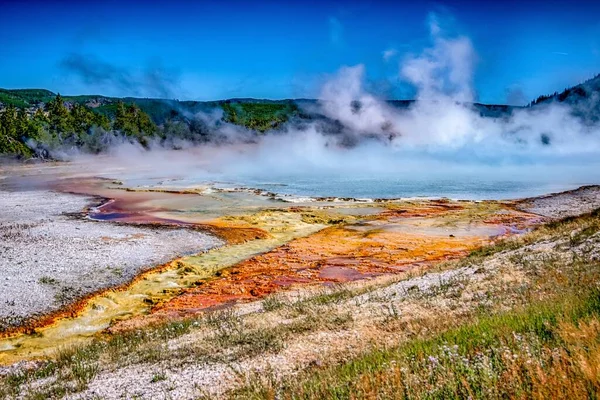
(333, 255)
(401, 238)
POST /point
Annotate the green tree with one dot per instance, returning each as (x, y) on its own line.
(82, 118)
(13, 129)
(134, 123)
(40, 117)
(8, 120)
(60, 120)
(101, 121)
(123, 121)
(22, 123)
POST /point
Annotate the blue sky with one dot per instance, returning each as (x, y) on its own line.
(283, 49)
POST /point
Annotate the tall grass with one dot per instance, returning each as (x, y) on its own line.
(545, 350)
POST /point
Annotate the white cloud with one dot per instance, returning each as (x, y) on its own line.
(389, 54)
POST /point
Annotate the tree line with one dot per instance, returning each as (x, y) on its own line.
(581, 91)
(27, 133)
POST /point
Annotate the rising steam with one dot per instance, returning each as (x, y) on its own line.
(440, 134)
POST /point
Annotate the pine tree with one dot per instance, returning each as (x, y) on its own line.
(8, 122)
(82, 119)
(22, 124)
(133, 122)
(122, 121)
(11, 133)
(59, 117)
(40, 117)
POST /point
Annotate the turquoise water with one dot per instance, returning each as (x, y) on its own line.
(468, 183)
(374, 188)
(293, 187)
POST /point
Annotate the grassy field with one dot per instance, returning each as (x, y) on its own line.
(549, 349)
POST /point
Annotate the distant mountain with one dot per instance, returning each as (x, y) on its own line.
(158, 109)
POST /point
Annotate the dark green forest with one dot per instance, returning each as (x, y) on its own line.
(27, 133)
(259, 116)
(35, 122)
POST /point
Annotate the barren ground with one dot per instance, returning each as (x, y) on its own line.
(49, 258)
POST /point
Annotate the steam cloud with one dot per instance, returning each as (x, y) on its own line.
(153, 81)
(440, 133)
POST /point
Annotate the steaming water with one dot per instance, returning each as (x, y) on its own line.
(390, 187)
(297, 187)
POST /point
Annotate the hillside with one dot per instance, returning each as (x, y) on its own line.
(160, 110)
(36, 122)
(25, 97)
(259, 114)
(574, 95)
(36, 125)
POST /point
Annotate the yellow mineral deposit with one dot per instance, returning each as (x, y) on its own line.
(269, 246)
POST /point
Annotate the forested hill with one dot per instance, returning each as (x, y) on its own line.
(160, 110)
(574, 95)
(34, 122)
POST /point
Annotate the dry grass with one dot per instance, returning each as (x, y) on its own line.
(541, 351)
